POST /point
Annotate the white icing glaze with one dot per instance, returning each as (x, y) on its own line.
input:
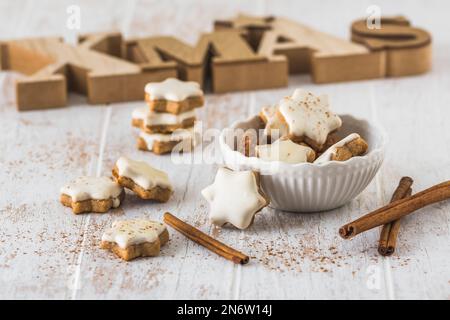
(308, 115)
(152, 118)
(326, 156)
(234, 198)
(142, 173)
(283, 150)
(177, 135)
(96, 188)
(274, 122)
(173, 89)
(129, 232)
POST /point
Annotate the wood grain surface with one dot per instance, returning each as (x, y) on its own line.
(47, 252)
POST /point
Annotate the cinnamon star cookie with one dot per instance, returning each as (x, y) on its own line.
(235, 197)
(161, 122)
(92, 194)
(173, 96)
(309, 118)
(351, 146)
(130, 239)
(286, 151)
(182, 140)
(275, 127)
(144, 180)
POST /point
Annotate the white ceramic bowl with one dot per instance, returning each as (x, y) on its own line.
(307, 187)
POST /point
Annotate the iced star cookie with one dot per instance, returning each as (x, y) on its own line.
(130, 239)
(274, 127)
(286, 151)
(161, 122)
(173, 96)
(144, 180)
(92, 194)
(351, 146)
(185, 139)
(308, 118)
(235, 197)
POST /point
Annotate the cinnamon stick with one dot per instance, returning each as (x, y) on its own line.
(393, 234)
(396, 210)
(203, 239)
(246, 146)
(389, 231)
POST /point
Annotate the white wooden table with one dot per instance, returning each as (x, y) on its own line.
(47, 252)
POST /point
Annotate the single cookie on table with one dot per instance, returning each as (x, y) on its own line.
(130, 239)
(235, 197)
(182, 140)
(144, 180)
(285, 150)
(161, 122)
(308, 118)
(351, 146)
(173, 96)
(92, 194)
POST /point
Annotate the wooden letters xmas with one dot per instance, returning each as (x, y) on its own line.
(244, 53)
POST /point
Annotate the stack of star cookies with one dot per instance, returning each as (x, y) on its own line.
(167, 122)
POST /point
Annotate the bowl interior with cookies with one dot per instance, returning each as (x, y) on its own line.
(309, 159)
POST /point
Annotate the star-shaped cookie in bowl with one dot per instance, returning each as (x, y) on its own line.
(235, 197)
(308, 118)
